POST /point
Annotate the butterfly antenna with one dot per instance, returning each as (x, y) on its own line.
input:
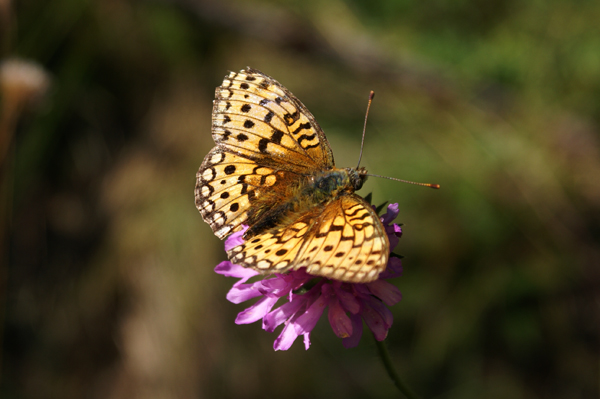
(362, 143)
(404, 181)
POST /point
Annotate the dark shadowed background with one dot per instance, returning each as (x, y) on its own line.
(107, 287)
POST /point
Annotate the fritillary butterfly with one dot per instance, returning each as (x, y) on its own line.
(272, 170)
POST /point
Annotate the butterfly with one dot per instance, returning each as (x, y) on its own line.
(272, 170)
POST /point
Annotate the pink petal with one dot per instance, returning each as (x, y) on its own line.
(235, 239)
(372, 314)
(347, 299)
(285, 340)
(242, 292)
(280, 285)
(281, 314)
(384, 311)
(394, 268)
(308, 320)
(256, 311)
(305, 323)
(228, 269)
(391, 214)
(388, 293)
(357, 329)
(306, 341)
(392, 237)
(339, 320)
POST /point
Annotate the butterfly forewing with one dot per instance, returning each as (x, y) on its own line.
(265, 140)
(255, 114)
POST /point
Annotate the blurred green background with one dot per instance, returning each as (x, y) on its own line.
(107, 286)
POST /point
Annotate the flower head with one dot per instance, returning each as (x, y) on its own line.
(306, 297)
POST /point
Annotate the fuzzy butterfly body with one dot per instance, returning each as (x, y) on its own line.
(272, 170)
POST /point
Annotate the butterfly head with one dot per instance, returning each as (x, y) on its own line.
(357, 177)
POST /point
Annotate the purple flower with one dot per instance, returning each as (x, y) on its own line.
(348, 304)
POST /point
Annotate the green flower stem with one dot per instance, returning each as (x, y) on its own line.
(389, 367)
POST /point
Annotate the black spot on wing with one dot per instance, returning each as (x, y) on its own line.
(268, 117)
(301, 127)
(262, 145)
(289, 119)
(311, 146)
(276, 136)
(305, 137)
(365, 215)
(229, 169)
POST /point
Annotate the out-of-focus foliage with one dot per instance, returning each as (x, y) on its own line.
(107, 288)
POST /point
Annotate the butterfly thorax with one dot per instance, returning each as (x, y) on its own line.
(328, 185)
(310, 193)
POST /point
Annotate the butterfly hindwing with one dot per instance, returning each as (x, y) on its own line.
(275, 250)
(347, 243)
(345, 240)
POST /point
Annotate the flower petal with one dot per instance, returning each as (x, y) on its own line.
(305, 323)
(347, 299)
(285, 340)
(392, 238)
(235, 239)
(394, 268)
(388, 293)
(242, 292)
(339, 320)
(377, 322)
(228, 269)
(357, 329)
(281, 314)
(256, 311)
(306, 341)
(391, 214)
